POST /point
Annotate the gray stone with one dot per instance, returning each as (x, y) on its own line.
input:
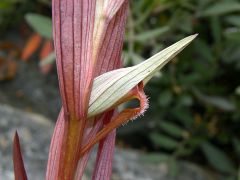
(35, 132)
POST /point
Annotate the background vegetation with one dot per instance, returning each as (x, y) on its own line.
(195, 101)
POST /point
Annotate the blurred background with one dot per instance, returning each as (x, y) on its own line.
(194, 112)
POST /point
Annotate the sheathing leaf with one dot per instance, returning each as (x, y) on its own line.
(103, 166)
(56, 148)
(85, 35)
(73, 26)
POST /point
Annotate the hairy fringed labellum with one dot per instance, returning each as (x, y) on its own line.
(88, 40)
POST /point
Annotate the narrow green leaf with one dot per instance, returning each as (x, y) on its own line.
(163, 141)
(155, 158)
(234, 20)
(48, 60)
(185, 100)
(165, 98)
(172, 129)
(217, 158)
(221, 8)
(174, 168)
(237, 91)
(41, 24)
(216, 28)
(184, 116)
(110, 87)
(217, 101)
(233, 35)
(236, 144)
(148, 35)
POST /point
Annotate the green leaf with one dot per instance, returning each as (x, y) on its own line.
(233, 35)
(185, 100)
(165, 98)
(148, 35)
(173, 168)
(172, 129)
(217, 158)
(183, 21)
(184, 116)
(195, 141)
(221, 8)
(234, 20)
(154, 158)
(48, 60)
(110, 87)
(236, 144)
(237, 91)
(216, 31)
(217, 101)
(41, 24)
(163, 141)
(184, 151)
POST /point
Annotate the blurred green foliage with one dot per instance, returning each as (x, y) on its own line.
(195, 101)
(12, 11)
